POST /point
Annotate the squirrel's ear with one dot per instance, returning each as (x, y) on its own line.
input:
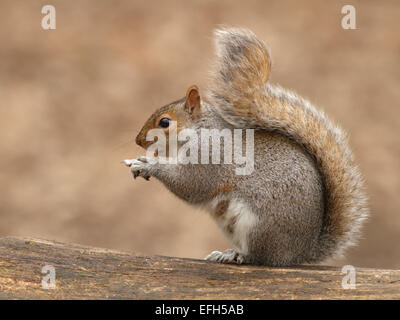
(192, 103)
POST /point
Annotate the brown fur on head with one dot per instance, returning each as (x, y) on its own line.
(182, 111)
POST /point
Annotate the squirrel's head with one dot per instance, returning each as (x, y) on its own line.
(183, 112)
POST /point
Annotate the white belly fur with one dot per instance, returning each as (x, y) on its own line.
(244, 219)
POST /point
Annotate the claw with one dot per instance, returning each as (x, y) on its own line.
(128, 163)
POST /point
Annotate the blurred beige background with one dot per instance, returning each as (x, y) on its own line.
(73, 99)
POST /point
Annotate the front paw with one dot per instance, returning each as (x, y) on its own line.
(139, 167)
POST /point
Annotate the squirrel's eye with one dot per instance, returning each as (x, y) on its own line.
(164, 122)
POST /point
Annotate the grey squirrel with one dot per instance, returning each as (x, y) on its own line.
(305, 199)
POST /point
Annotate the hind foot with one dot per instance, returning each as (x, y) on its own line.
(228, 256)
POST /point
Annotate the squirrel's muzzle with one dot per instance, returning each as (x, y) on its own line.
(141, 140)
(138, 140)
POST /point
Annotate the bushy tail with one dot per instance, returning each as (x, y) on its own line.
(242, 96)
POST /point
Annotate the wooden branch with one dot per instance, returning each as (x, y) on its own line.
(91, 273)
